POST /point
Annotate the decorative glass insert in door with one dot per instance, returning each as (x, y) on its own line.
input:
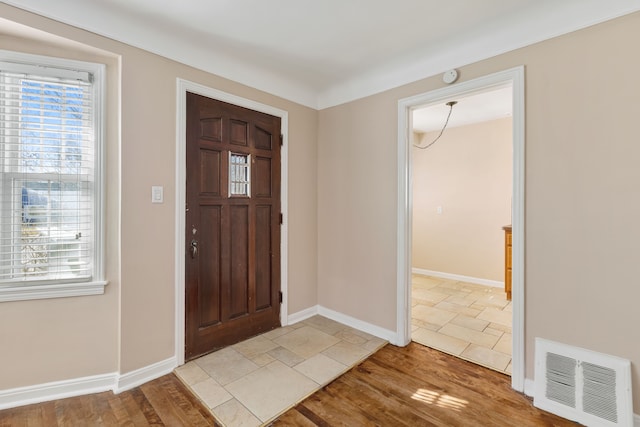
(239, 174)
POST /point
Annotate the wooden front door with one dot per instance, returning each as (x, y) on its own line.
(232, 236)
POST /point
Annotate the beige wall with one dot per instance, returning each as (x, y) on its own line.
(50, 340)
(468, 174)
(582, 201)
(357, 184)
(132, 325)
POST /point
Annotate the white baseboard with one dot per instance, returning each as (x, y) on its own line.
(529, 387)
(302, 315)
(38, 393)
(358, 324)
(140, 376)
(56, 390)
(636, 420)
(458, 277)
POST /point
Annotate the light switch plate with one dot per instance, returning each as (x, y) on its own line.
(157, 194)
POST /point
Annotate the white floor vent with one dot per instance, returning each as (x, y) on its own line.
(591, 388)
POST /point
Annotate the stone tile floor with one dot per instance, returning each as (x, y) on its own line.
(466, 320)
(252, 382)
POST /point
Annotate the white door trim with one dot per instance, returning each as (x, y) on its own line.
(515, 76)
(184, 86)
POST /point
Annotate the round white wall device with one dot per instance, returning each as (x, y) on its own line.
(450, 76)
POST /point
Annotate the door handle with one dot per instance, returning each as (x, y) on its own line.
(193, 248)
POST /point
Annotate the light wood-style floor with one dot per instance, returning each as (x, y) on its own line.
(410, 386)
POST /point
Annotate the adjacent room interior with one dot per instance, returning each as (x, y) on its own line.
(462, 192)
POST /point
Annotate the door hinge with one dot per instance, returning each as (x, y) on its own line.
(280, 296)
(281, 139)
(281, 218)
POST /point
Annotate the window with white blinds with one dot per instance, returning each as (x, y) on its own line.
(50, 195)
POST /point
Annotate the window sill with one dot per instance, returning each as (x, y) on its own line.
(22, 293)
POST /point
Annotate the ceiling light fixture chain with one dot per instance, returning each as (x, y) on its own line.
(450, 104)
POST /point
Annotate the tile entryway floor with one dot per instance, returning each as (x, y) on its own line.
(466, 320)
(251, 383)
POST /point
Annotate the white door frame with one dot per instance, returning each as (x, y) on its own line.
(515, 76)
(184, 86)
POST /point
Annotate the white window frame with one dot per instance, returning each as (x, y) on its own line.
(54, 289)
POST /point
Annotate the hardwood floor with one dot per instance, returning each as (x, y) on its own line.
(418, 386)
(410, 386)
(162, 402)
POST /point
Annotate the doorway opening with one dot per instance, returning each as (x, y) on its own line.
(462, 190)
(515, 79)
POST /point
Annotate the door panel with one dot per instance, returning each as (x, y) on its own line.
(263, 139)
(263, 177)
(239, 261)
(232, 236)
(263, 259)
(209, 280)
(239, 132)
(211, 128)
(210, 172)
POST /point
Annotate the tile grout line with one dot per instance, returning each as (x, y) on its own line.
(336, 332)
(473, 291)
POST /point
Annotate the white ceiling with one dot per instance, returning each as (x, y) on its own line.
(474, 108)
(322, 53)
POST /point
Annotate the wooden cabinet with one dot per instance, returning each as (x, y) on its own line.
(507, 261)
